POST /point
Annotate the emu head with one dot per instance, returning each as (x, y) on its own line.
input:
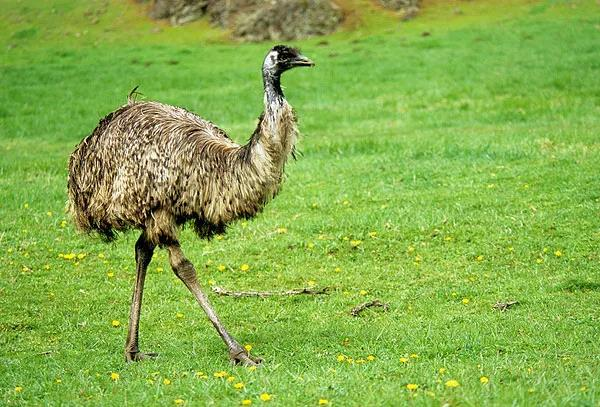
(281, 58)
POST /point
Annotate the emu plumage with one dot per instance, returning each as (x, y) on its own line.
(154, 167)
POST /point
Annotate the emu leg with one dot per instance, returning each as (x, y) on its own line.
(185, 271)
(143, 254)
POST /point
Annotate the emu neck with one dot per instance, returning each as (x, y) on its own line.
(275, 136)
(273, 94)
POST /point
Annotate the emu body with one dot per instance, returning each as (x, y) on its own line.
(154, 167)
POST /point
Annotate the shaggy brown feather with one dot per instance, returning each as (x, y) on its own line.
(154, 167)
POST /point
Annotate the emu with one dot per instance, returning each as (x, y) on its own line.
(155, 167)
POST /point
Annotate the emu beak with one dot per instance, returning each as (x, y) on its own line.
(301, 60)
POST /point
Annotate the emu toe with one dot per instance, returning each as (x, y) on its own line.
(137, 356)
(241, 357)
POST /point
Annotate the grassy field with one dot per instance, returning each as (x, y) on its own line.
(440, 174)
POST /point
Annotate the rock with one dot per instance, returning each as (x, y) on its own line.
(256, 20)
(408, 8)
(288, 20)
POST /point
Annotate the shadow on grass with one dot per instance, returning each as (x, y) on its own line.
(579, 285)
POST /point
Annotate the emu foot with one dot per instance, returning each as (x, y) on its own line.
(241, 357)
(137, 356)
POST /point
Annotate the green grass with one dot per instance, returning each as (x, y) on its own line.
(473, 153)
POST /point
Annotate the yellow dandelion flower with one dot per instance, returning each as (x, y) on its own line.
(337, 270)
(310, 245)
(480, 258)
(179, 402)
(244, 267)
(265, 396)
(466, 301)
(414, 355)
(452, 383)
(484, 380)
(219, 237)
(221, 267)
(442, 370)
(323, 402)
(58, 380)
(69, 256)
(248, 347)
(355, 243)
(370, 358)
(246, 402)
(281, 231)
(81, 256)
(166, 381)
(63, 223)
(49, 213)
(110, 274)
(179, 315)
(201, 375)
(25, 205)
(114, 376)
(539, 261)
(360, 361)
(238, 385)
(100, 255)
(448, 238)
(403, 360)
(341, 358)
(363, 292)
(18, 389)
(231, 379)
(311, 283)
(116, 323)
(159, 270)
(412, 386)
(220, 374)
(558, 253)
(373, 234)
